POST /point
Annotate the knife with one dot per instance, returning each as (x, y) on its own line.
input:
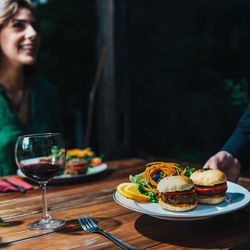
(20, 189)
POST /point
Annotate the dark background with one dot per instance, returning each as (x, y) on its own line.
(188, 71)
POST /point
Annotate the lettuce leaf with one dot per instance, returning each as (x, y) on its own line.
(140, 184)
(189, 171)
(136, 178)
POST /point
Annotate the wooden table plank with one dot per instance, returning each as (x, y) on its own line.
(95, 198)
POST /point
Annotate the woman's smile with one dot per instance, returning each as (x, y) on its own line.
(28, 48)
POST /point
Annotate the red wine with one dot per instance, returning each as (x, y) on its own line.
(41, 171)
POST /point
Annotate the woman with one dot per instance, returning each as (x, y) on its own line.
(27, 104)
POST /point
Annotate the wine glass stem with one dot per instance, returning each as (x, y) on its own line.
(46, 217)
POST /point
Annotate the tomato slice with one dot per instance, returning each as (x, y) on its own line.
(224, 185)
(76, 167)
(176, 193)
(96, 161)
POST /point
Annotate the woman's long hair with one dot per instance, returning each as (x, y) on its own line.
(9, 8)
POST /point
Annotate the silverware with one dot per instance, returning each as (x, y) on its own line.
(20, 189)
(90, 226)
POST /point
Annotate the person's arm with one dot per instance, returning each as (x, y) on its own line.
(238, 144)
(235, 151)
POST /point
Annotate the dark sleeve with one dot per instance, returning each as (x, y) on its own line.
(238, 144)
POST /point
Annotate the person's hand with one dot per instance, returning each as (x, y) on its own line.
(225, 162)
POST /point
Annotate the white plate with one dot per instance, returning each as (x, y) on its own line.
(237, 198)
(64, 178)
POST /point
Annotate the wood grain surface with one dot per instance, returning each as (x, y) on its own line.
(95, 197)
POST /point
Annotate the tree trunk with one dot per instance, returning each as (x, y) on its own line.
(112, 110)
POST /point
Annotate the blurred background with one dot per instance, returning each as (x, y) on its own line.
(167, 78)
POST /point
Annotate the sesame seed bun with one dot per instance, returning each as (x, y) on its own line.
(209, 177)
(175, 183)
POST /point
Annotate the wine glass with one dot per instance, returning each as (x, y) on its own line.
(40, 158)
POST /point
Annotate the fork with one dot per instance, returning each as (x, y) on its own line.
(90, 226)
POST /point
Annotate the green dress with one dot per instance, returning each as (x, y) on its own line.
(44, 117)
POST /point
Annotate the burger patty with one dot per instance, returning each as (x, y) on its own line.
(180, 198)
(76, 162)
(76, 166)
(75, 172)
(212, 192)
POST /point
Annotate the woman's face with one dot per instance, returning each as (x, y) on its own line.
(19, 40)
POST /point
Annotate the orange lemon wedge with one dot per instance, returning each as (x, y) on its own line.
(130, 191)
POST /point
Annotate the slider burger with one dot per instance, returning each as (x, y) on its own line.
(211, 185)
(76, 166)
(177, 193)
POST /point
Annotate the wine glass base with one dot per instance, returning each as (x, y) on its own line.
(41, 225)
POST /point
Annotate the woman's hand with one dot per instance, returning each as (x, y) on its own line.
(225, 162)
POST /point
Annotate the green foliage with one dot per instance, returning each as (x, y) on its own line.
(178, 66)
(179, 55)
(238, 92)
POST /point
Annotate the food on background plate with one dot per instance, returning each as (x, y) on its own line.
(79, 153)
(147, 181)
(96, 161)
(177, 193)
(211, 185)
(76, 166)
(78, 161)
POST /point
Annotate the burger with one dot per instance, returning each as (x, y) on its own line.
(177, 193)
(76, 166)
(211, 185)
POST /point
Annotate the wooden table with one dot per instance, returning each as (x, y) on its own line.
(95, 197)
